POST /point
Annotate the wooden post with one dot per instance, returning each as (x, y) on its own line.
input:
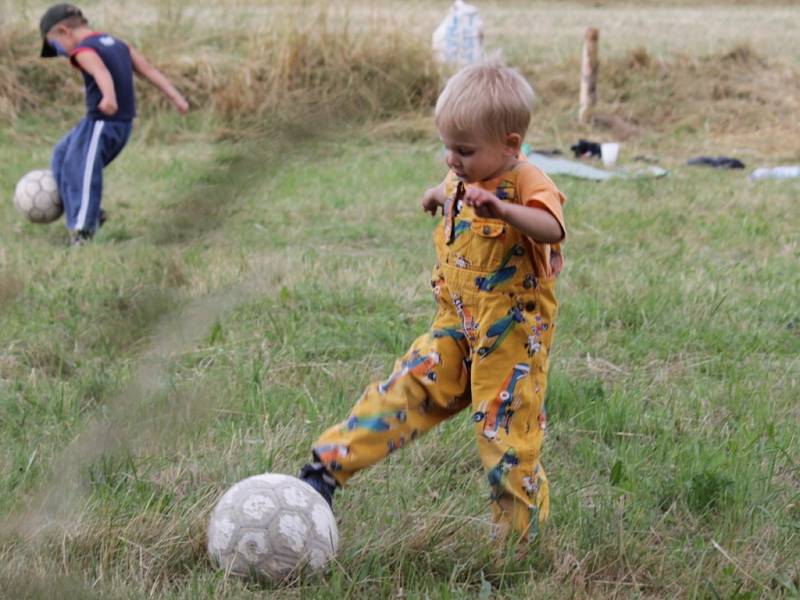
(589, 75)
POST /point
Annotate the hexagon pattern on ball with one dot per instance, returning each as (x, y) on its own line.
(270, 527)
(36, 197)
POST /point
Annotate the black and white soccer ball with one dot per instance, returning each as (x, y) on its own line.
(270, 527)
(36, 197)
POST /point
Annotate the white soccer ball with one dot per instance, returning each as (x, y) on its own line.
(36, 197)
(271, 526)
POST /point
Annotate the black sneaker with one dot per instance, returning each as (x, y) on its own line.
(102, 218)
(317, 476)
(79, 237)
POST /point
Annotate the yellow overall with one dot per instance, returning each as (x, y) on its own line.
(487, 349)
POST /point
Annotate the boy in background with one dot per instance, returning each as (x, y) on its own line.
(107, 64)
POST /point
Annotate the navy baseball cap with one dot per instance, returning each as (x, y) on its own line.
(54, 15)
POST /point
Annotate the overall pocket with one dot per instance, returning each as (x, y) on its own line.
(488, 249)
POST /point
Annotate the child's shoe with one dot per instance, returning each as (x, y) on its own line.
(102, 218)
(79, 237)
(317, 476)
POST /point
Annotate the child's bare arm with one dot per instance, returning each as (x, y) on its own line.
(93, 64)
(536, 223)
(433, 199)
(157, 78)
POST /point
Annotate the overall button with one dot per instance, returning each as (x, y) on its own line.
(487, 228)
(528, 283)
(530, 306)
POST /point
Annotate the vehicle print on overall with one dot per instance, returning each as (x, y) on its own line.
(505, 190)
(531, 483)
(542, 417)
(530, 282)
(417, 364)
(538, 329)
(498, 412)
(500, 329)
(497, 474)
(374, 422)
(394, 445)
(460, 227)
(437, 285)
(457, 333)
(468, 324)
(331, 454)
(503, 274)
(461, 261)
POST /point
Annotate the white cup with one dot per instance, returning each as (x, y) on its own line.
(609, 152)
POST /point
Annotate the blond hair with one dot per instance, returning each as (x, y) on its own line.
(487, 99)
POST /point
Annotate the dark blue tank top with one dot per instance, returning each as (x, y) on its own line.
(117, 58)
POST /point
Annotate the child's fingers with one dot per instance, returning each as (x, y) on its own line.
(472, 200)
(475, 197)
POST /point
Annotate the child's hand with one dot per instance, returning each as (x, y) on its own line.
(431, 200)
(181, 105)
(486, 204)
(108, 106)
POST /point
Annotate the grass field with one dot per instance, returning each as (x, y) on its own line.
(252, 279)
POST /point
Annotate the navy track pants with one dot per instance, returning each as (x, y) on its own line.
(77, 165)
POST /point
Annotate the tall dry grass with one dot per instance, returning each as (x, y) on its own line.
(736, 101)
(287, 70)
(318, 67)
(28, 83)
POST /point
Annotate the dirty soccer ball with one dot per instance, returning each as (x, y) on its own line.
(36, 197)
(270, 526)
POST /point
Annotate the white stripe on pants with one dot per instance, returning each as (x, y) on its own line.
(87, 174)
